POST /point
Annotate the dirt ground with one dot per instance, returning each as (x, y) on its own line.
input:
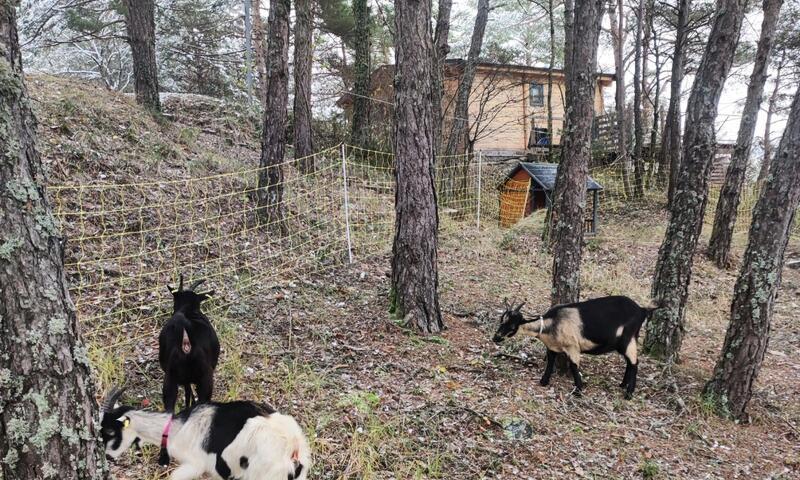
(381, 402)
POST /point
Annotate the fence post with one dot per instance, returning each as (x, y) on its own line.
(346, 205)
(478, 214)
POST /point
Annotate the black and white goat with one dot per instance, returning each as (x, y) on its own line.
(241, 440)
(600, 325)
(188, 350)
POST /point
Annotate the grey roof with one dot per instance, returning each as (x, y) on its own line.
(544, 174)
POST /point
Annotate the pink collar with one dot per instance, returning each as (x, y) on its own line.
(165, 434)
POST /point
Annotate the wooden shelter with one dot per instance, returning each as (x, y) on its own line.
(530, 187)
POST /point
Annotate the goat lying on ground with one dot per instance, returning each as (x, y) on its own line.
(241, 440)
(188, 350)
(596, 326)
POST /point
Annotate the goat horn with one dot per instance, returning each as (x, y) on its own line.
(505, 303)
(519, 307)
(196, 284)
(180, 285)
(111, 398)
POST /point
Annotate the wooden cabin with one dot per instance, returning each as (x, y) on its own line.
(508, 105)
(530, 187)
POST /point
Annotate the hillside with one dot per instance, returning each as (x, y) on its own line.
(311, 334)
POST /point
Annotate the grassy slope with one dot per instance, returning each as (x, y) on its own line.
(381, 402)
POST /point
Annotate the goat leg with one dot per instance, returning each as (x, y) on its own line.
(627, 377)
(169, 394)
(548, 369)
(576, 376)
(187, 394)
(632, 381)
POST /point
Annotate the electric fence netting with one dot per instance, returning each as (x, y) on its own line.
(125, 242)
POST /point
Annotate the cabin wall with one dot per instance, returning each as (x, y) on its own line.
(499, 110)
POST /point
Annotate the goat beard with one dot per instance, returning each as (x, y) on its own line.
(187, 345)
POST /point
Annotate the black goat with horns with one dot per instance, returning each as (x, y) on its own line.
(188, 350)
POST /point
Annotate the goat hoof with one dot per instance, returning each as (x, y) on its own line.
(628, 395)
(163, 458)
(577, 392)
(623, 384)
(544, 382)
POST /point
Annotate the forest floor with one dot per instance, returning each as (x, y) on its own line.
(381, 402)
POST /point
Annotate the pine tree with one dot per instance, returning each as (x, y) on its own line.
(47, 407)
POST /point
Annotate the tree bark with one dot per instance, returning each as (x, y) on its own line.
(415, 275)
(551, 66)
(141, 27)
(570, 192)
(656, 97)
(638, 127)
(47, 406)
(569, 21)
(616, 17)
(674, 266)
(303, 51)
(719, 246)
(260, 52)
(670, 154)
(360, 134)
(457, 140)
(737, 368)
(273, 137)
(771, 107)
(441, 49)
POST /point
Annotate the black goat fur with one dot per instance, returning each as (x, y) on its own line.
(188, 351)
(596, 326)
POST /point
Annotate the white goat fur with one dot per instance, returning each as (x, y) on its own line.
(269, 442)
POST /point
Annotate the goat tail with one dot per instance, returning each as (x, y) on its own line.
(180, 333)
(652, 306)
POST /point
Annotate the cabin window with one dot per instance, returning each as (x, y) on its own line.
(537, 94)
(541, 136)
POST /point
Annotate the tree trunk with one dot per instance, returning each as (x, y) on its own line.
(616, 17)
(570, 192)
(670, 155)
(551, 66)
(675, 258)
(737, 368)
(415, 275)
(360, 134)
(273, 137)
(441, 49)
(771, 107)
(141, 26)
(260, 52)
(656, 98)
(569, 22)
(457, 140)
(638, 128)
(303, 51)
(719, 246)
(47, 406)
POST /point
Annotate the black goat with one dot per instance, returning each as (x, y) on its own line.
(600, 325)
(188, 350)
